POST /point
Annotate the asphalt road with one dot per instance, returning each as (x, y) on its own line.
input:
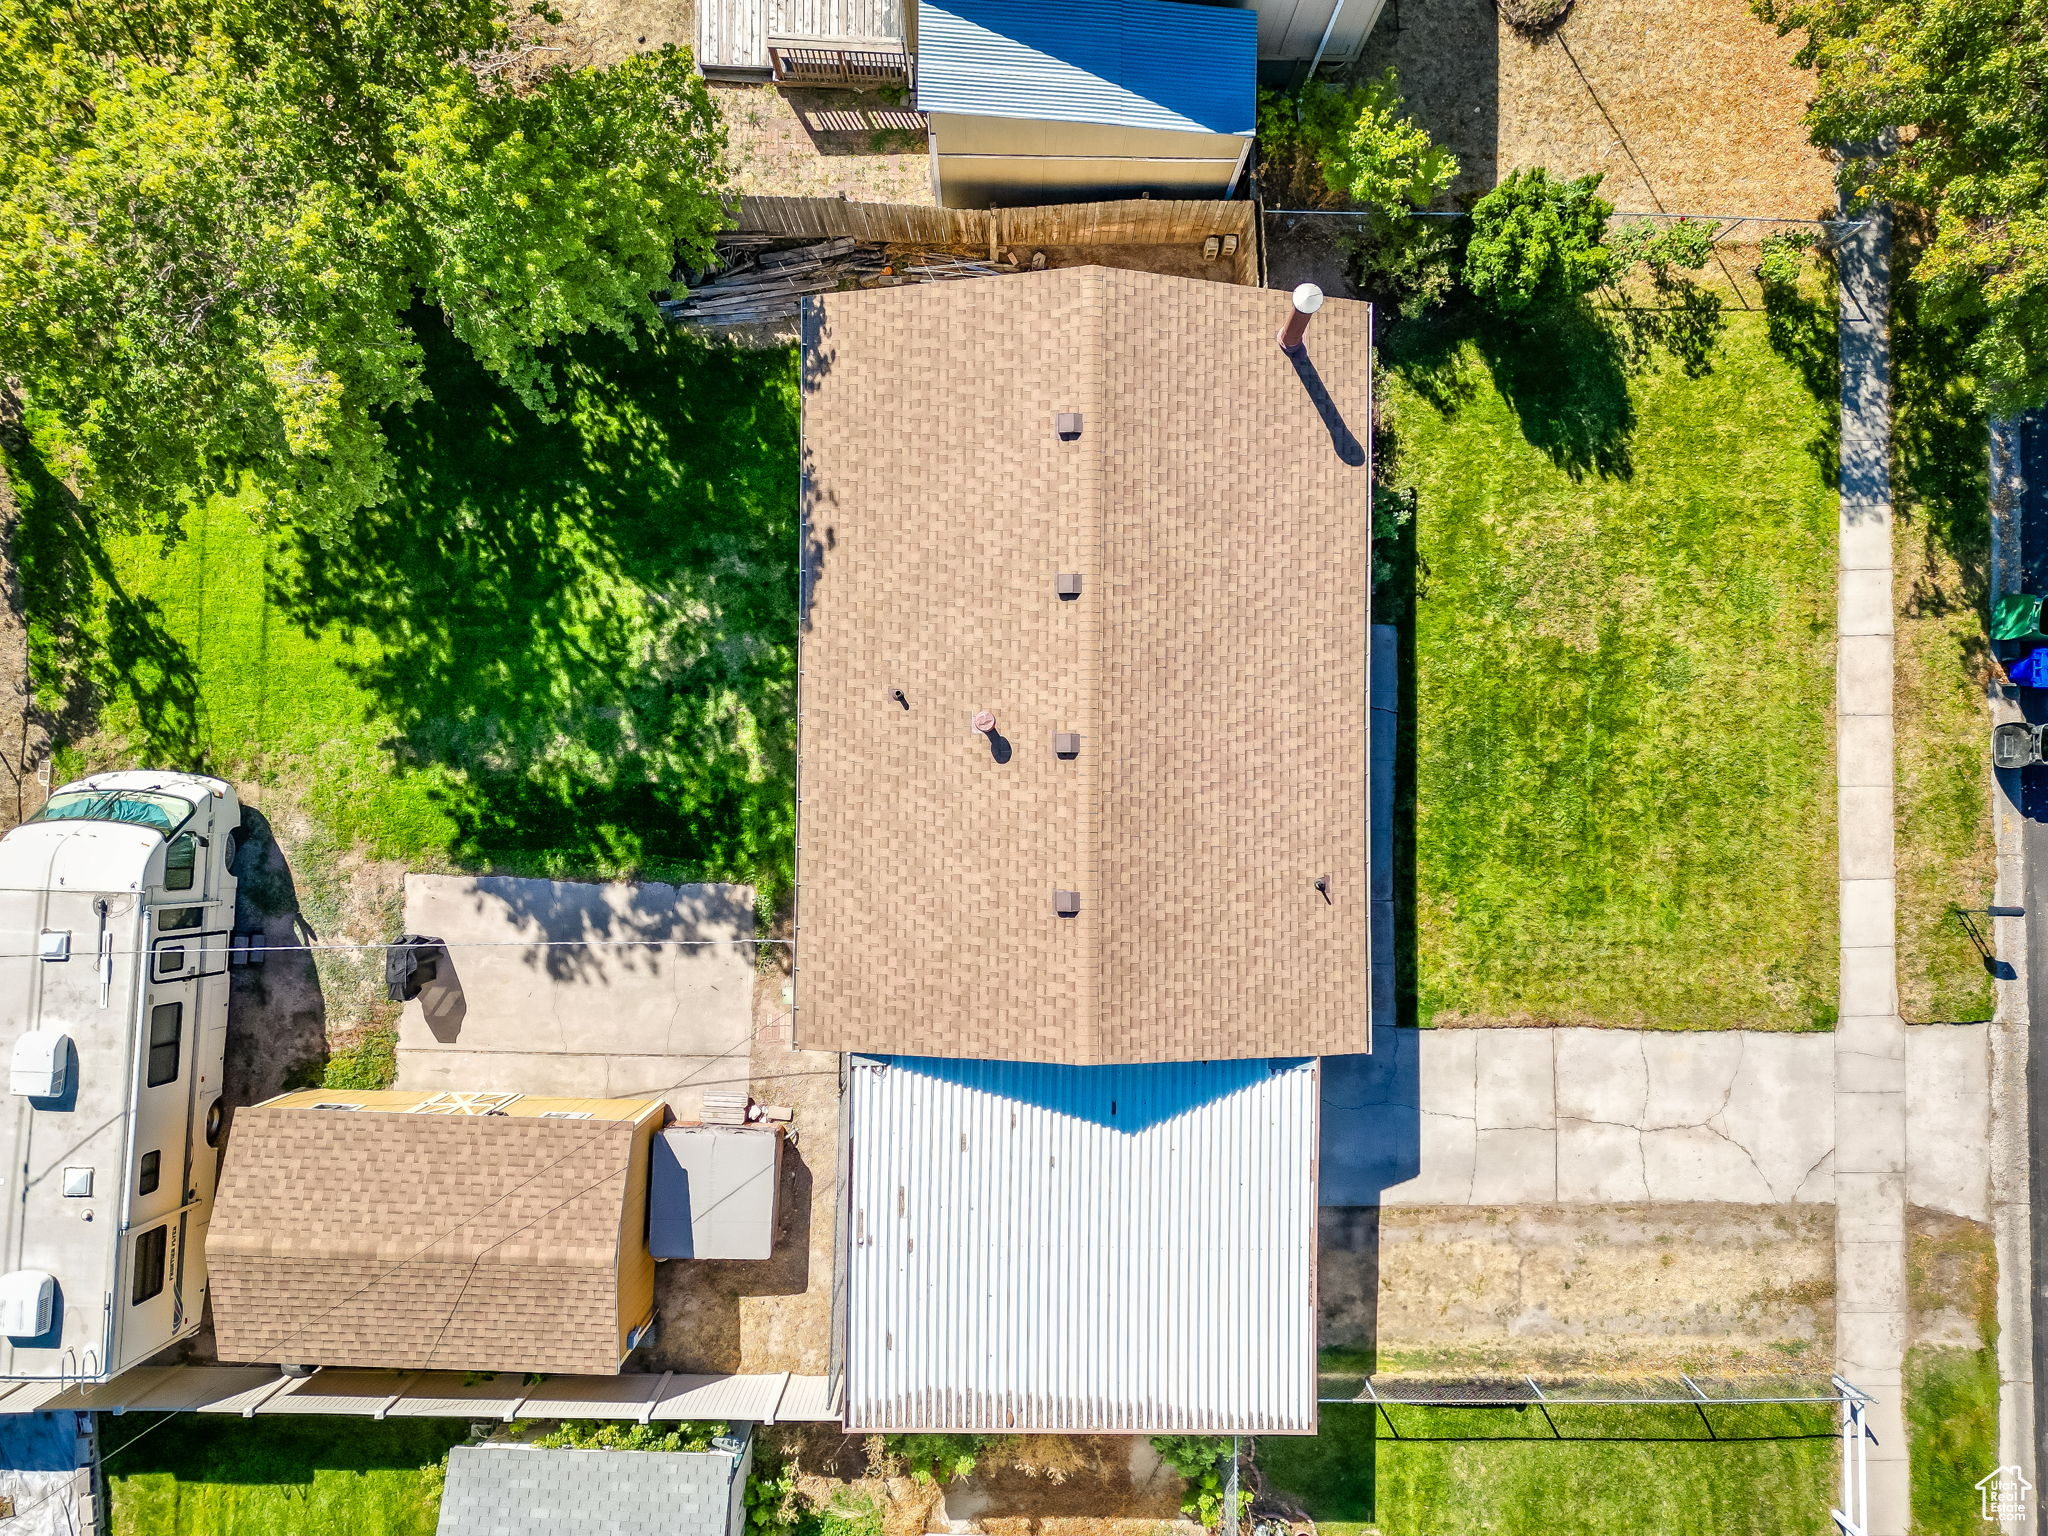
(2032, 576)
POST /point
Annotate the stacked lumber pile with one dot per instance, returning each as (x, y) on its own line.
(755, 283)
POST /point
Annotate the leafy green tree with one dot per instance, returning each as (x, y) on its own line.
(1960, 81)
(1538, 240)
(217, 218)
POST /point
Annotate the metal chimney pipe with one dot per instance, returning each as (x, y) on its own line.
(1308, 298)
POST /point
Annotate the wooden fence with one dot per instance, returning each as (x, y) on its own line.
(1134, 221)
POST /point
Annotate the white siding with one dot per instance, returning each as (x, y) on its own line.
(1038, 1248)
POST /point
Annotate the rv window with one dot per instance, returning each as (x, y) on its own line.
(175, 919)
(166, 813)
(166, 1030)
(151, 1173)
(181, 863)
(149, 1264)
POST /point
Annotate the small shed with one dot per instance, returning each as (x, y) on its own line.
(523, 1490)
(1094, 99)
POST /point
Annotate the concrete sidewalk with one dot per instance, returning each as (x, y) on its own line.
(1870, 1038)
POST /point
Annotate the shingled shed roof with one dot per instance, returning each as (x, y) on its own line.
(421, 1241)
(1216, 506)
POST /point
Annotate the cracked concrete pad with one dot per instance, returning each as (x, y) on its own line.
(625, 989)
(1688, 1077)
(1601, 1075)
(1446, 1070)
(1600, 1162)
(1446, 1157)
(1697, 1163)
(1781, 1108)
(1948, 1119)
(1515, 1088)
(1514, 1167)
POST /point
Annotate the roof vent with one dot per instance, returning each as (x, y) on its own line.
(1067, 424)
(28, 1303)
(1068, 585)
(1066, 743)
(1066, 903)
(54, 944)
(40, 1065)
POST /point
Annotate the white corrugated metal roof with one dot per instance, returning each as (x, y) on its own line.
(1042, 1248)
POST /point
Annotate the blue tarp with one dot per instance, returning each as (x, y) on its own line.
(1124, 63)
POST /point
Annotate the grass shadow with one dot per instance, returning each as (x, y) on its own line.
(89, 636)
(1564, 372)
(589, 623)
(1800, 324)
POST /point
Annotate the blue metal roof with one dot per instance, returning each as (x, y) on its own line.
(1129, 63)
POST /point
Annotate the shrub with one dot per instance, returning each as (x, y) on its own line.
(770, 1498)
(1686, 246)
(1349, 143)
(1406, 264)
(1204, 1461)
(936, 1458)
(1782, 259)
(1537, 240)
(622, 1435)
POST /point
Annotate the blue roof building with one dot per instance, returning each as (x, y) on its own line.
(1030, 103)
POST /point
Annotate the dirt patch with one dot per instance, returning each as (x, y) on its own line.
(866, 146)
(1612, 1289)
(771, 1314)
(1021, 1485)
(1951, 1280)
(1690, 109)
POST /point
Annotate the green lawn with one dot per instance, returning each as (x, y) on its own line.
(207, 1475)
(559, 648)
(1623, 607)
(1497, 1472)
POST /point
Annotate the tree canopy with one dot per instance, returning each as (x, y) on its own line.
(217, 218)
(1960, 83)
(1538, 240)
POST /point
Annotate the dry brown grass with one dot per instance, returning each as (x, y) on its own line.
(1689, 108)
(1615, 1290)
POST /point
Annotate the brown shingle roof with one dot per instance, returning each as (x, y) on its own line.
(422, 1241)
(1215, 666)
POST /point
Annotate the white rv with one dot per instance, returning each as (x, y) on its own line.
(117, 904)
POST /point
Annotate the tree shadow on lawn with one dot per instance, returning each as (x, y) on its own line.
(590, 621)
(1564, 372)
(85, 649)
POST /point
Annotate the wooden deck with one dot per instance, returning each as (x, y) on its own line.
(735, 36)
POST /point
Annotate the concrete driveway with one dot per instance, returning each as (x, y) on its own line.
(624, 990)
(1451, 1117)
